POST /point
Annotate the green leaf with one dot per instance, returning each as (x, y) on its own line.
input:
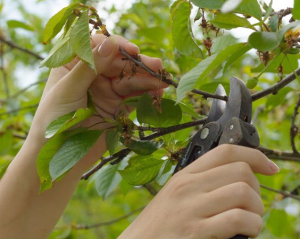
(112, 140)
(133, 101)
(274, 22)
(141, 170)
(6, 142)
(107, 179)
(267, 41)
(182, 34)
(80, 40)
(188, 81)
(230, 20)
(165, 172)
(275, 100)
(56, 23)
(296, 10)
(236, 56)
(61, 53)
(74, 149)
(47, 153)
(198, 15)
(141, 147)
(188, 110)
(148, 113)
(19, 24)
(220, 43)
(230, 5)
(67, 121)
(249, 7)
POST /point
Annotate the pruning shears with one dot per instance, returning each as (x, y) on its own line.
(227, 123)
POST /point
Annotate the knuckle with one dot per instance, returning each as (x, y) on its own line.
(237, 218)
(225, 149)
(244, 171)
(178, 184)
(257, 227)
(243, 190)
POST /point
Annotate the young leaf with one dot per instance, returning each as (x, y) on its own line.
(230, 5)
(275, 100)
(188, 81)
(61, 53)
(18, 24)
(67, 121)
(230, 20)
(47, 153)
(141, 170)
(74, 149)
(249, 7)
(56, 23)
(165, 172)
(112, 140)
(107, 179)
(80, 40)
(296, 10)
(188, 111)
(182, 34)
(141, 147)
(220, 43)
(147, 112)
(274, 22)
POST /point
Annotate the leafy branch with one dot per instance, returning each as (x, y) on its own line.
(294, 128)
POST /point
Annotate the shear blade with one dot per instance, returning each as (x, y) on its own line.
(218, 106)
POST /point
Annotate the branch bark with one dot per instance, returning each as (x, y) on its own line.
(19, 109)
(294, 128)
(276, 87)
(286, 194)
(13, 45)
(279, 155)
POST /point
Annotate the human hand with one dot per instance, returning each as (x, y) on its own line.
(215, 197)
(67, 87)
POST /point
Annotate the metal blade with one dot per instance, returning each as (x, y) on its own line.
(239, 102)
(218, 106)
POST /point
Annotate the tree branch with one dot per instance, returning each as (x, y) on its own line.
(171, 129)
(20, 109)
(13, 45)
(3, 71)
(150, 189)
(165, 77)
(119, 155)
(286, 194)
(279, 155)
(294, 127)
(276, 87)
(101, 224)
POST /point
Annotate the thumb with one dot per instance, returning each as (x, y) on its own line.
(79, 79)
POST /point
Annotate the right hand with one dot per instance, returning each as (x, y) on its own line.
(215, 197)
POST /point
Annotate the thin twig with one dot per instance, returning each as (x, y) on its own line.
(286, 194)
(121, 154)
(13, 45)
(279, 155)
(27, 88)
(171, 129)
(150, 189)
(101, 224)
(276, 87)
(283, 12)
(294, 127)
(19, 109)
(166, 78)
(3, 71)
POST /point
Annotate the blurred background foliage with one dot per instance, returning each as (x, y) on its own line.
(147, 24)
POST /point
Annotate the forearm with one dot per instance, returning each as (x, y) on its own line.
(23, 210)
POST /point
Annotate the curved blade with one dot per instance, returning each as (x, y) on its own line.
(217, 107)
(239, 102)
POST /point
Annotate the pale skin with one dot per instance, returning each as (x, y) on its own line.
(218, 196)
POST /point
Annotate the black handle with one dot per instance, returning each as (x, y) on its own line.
(239, 237)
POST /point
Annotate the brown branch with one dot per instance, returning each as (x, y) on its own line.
(18, 136)
(165, 77)
(276, 87)
(171, 129)
(283, 12)
(4, 74)
(294, 127)
(101, 224)
(13, 45)
(150, 189)
(119, 155)
(19, 109)
(286, 194)
(279, 155)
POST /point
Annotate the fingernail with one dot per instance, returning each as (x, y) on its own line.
(273, 166)
(107, 46)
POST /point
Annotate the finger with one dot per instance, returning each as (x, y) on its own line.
(76, 83)
(138, 82)
(233, 222)
(97, 39)
(120, 64)
(236, 195)
(226, 153)
(227, 174)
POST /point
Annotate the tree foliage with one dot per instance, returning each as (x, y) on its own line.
(196, 44)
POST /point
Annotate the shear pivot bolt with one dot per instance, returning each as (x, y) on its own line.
(231, 140)
(231, 127)
(204, 133)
